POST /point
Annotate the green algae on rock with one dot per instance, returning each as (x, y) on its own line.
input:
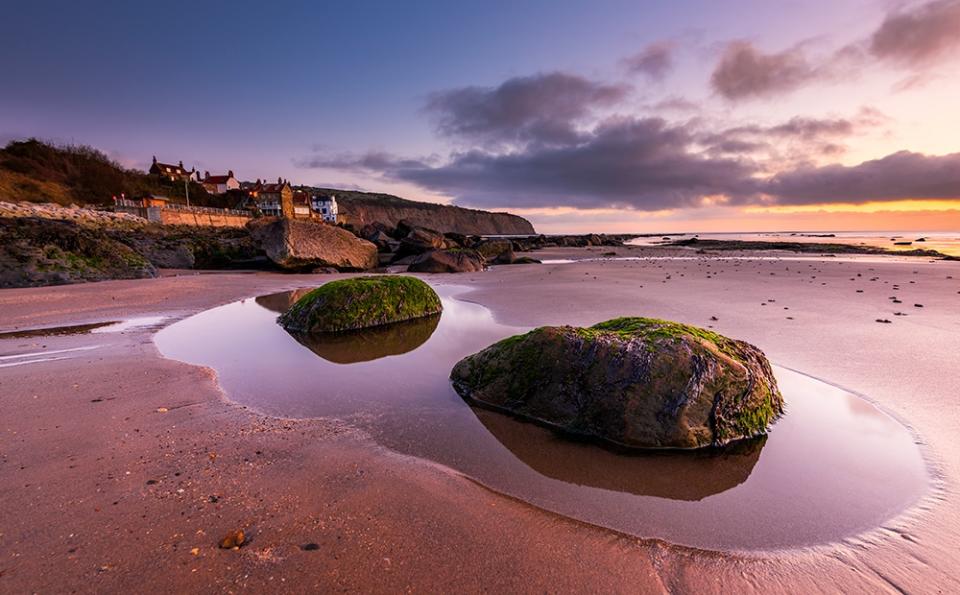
(636, 382)
(362, 302)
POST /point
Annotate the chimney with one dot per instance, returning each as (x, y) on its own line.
(279, 180)
(206, 174)
(181, 164)
(229, 173)
(154, 159)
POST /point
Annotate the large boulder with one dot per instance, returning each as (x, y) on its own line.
(447, 261)
(636, 382)
(362, 302)
(299, 244)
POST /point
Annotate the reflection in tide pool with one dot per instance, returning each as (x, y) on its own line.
(832, 467)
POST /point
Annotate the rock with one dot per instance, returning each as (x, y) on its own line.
(306, 244)
(448, 261)
(420, 240)
(525, 260)
(382, 241)
(406, 260)
(233, 540)
(362, 302)
(496, 251)
(456, 240)
(636, 382)
(40, 251)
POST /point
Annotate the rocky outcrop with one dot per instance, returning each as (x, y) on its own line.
(298, 244)
(636, 382)
(361, 208)
(457, 260)
(36, 252)
(361, 302)
(191, 247)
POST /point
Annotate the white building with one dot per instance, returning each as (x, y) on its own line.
(325, 205)
(220, 184)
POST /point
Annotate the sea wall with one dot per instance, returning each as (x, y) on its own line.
(203, 219)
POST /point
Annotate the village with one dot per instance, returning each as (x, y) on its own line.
(241, 201)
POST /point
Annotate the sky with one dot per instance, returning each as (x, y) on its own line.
(583, 116)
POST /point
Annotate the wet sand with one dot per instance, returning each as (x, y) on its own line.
(117, 463)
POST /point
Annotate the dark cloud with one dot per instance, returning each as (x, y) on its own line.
(543, 108)
(644, 164)
(654, 61)
(918, 36)
(651, 164)
(902, 175)
(746, 72)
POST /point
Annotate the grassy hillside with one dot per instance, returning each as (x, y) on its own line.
(36, 171)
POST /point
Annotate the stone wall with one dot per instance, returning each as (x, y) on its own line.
(208, 219)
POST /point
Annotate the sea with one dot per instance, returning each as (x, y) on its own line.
(947, 242)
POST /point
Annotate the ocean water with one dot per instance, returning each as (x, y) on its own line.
(947, 242)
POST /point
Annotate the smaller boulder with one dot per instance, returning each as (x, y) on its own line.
(420, 240)
(448, 261)
(361, 302)
(496, 251)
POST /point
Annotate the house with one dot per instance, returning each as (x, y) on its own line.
(301, 205)
(325, 206)
(273, 200)
(153, 200)
(220, 184)
(172, 173)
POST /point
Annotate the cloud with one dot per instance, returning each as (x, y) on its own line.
(543, 108)
(915, 38)
(799, 139)
(371, 161)
(650, 164)
(654, 61)
(745, 72)
(919, 36)
(638, 163)
(674, 104)
(902, 175)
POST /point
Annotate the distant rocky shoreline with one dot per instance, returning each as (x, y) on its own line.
(801, 247)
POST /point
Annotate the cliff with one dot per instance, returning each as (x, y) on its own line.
(360, 208)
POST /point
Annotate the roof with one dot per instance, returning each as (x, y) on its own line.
(272, 188)
(171, 169)
(217, 179)
(156, 197)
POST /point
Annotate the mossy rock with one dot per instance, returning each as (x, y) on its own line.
(636, 382)
(362, 302)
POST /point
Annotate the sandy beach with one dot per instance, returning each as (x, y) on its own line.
(145, 463)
